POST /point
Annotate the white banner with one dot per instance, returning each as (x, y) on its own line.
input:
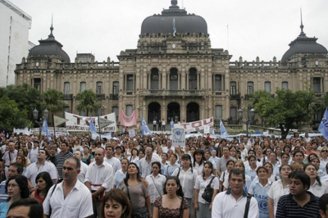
(196, 125)
(178, 137)
(79, 123)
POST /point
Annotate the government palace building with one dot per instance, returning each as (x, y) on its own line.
(174, 73)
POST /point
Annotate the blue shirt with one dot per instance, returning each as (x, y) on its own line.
(260, 193)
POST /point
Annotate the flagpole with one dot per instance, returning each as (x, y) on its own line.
(53, 119)
(99, 126)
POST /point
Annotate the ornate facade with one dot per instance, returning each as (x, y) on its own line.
(174, 73)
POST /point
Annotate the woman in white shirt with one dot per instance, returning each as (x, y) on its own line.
(203, 207)
(155, 182)
(278, 189)
(317, 187)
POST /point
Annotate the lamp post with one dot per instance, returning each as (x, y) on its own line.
(249, 117)
(42, 118)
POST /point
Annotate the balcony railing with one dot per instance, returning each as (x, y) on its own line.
(195, 93)
(100, 96)
(68, 96)
(113, 96)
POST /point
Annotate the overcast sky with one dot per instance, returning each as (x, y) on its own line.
(247, 28)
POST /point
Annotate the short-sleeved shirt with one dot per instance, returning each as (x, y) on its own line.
(170, 213)
(34, 169)
(289, 208)
(260, 192)
(201, 184)
(276, 191)
(78, 203)
(100, 175)
(155, 186)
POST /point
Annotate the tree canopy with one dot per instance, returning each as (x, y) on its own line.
(286, 109)
(88, 102)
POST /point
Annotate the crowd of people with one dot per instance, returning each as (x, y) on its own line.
(146, 176)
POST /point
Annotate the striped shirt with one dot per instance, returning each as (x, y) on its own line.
(289, 208)
(60, 159)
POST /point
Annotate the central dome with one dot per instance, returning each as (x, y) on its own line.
(174, 20)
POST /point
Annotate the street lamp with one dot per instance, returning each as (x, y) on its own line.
(249, 117)
(40, 122)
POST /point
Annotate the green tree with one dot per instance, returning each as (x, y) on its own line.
(26, 97)
(11, 116)
(286, 109)
(88, 102)
(53, 101)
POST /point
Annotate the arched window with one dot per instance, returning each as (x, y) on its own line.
(83, 86)
(284, 85)
(233, 88)
(98, 88)
(192, 79)
(174, 79)
(154, 79)
(67, 88)
(218, 82)
(116, 87)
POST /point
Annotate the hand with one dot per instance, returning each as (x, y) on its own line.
(196, 205)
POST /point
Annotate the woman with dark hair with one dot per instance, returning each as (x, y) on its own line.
(116, 204)
(43, 183)
(172, 204)
(134, 156)
(317, 188)
(155, 183)
(136, 189)
(198, 163)
(203, 206)
(17, 188)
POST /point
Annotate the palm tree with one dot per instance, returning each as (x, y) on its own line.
(87, 102)
(53, 101)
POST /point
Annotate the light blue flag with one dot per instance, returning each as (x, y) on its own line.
(45, 129)
(223, 131)
(144, 128)
(323, 128)
(92, 126)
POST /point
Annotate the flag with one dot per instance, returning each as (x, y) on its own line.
(92, 126)
(323, 127)
(144, 128)
(59, 120)
(45, 129)
(223, 131)
(174, 27)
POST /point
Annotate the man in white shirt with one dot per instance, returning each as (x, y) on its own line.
(232, 203)
(34, 152)
(70, 198)
(41, 165)
(99, 179)
(113, 161)
(145, 162)
(10, 154)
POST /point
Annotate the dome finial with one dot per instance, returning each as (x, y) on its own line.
(174, 2)
(51, 28)
(302, 26)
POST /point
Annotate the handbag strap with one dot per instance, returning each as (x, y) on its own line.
(181, 208)
(50, 209)
(247, 205)
(155, 185)
(209, 184)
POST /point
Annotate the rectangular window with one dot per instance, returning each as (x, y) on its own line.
(115, 110)
(129, 110)
(37, 84)
(115, 87)
(99, 88)
(67, 88)
(316, 84)
(217, 82)
(267, 86)
(129, 82)
(284, 85)
(233, 88)
(250, 87)
(83, 86)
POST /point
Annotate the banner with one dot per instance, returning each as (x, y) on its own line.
(196, 125)
(79, 123)
(128, 121)
(178, 137)
(144, 128)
